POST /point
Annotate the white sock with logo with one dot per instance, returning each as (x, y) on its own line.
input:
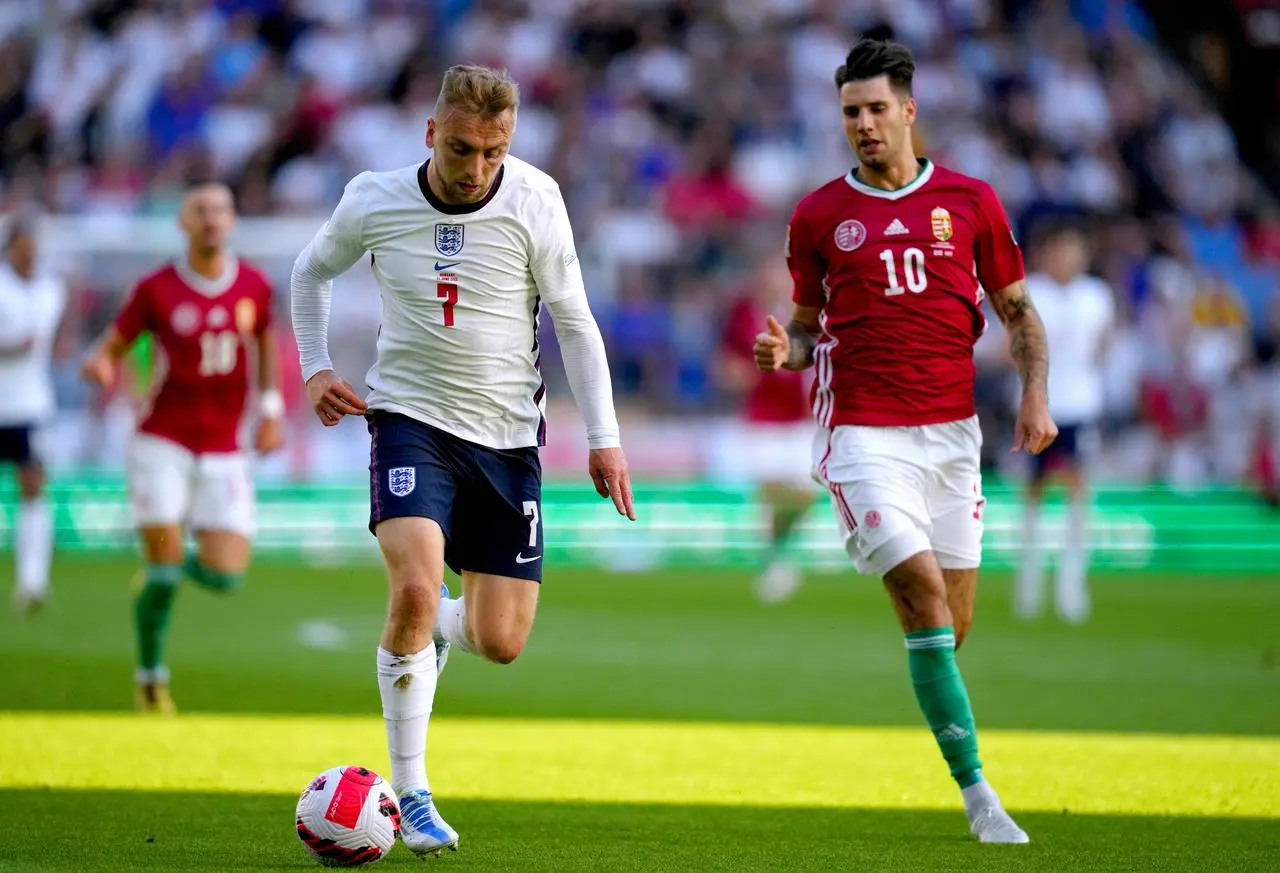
(407, 684)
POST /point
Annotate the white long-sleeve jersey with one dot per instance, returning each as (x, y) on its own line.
(462, 288)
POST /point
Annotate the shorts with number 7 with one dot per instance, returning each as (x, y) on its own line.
(487, 501)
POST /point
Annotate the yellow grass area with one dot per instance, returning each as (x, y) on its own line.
(650, 762)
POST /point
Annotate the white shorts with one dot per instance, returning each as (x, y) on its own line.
(898, 491)
(168, 484)
(756, 454)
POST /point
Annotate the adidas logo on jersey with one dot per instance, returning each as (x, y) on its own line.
(896, 228)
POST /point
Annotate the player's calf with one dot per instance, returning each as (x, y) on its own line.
(962, 587)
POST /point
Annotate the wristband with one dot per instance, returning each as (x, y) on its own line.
(271, 403)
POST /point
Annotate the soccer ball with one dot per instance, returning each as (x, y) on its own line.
(348, 817)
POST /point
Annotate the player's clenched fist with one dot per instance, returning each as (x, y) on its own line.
(99, 369)
(772, 347)
(332, 398)
(1035, 429)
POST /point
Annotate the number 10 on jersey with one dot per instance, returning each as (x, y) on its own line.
(912, 270)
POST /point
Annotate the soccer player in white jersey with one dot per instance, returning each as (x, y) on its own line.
(466, 248)
(31, 307)
(1079, 316)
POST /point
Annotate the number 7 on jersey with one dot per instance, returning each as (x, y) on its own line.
(448, 292)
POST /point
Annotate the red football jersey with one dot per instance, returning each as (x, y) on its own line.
(899, 276)
(200, 327)
(774, 398)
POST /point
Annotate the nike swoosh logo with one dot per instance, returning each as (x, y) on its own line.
(521, 559)
(440, 266)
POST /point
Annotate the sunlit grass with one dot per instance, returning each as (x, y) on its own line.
(651, 763)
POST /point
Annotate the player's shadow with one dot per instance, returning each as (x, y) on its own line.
(86, 831)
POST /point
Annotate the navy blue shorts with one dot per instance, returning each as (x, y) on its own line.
(1065, 452)
(15, 446)
(487, 501)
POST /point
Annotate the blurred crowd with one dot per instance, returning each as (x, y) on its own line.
(682, 133)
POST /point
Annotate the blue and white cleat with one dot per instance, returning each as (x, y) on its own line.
(422, 829)
(442, 645)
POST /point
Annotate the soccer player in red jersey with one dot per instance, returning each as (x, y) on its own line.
(186, 467)
(769, 446)
(890, 264)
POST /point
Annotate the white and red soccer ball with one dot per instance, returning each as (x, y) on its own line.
(348, 817)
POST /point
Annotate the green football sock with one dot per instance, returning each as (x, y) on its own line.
(152, 609)
(213, 580)
(931, 656)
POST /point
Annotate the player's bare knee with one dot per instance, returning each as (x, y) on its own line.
(501, 647)
(1035, 490)
(229, 564)
(31, 481)
(225, 556)
(415, 597)
(162, 544)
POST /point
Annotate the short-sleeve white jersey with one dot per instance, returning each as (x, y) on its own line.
(1077, 318)
(30, 311)
(462, 288)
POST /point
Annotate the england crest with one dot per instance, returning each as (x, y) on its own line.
(449, 239)
(401, 480)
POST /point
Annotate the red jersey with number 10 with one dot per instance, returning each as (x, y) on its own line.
(899, 276)
(200, 327)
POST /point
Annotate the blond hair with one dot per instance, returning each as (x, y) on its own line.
(478, 91)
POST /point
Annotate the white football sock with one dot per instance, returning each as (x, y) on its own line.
(451, 623)
(1028, 597)
(408, 687)
(34, 546)
(978, 795)
(1070, 594)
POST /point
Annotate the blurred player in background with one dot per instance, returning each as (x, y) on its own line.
(186, 466)
(890, 264)
(466, 248)
(1079, 316)
(769, 446)
(31, 308)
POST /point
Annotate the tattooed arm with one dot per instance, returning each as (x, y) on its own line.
(790, 347)
(1027, 343)
(802, 331)
(1030, 352)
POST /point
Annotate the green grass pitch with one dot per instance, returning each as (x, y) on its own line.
(657, 721)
